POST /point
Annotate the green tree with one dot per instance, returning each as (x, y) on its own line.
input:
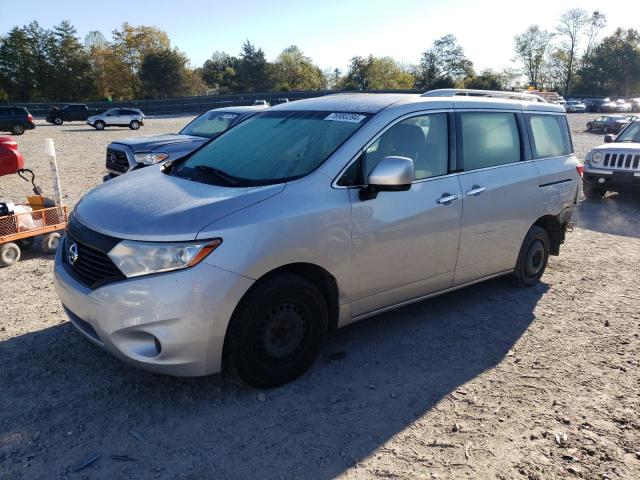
(571, 27)
(531, 48)
(72, 73)
(487, 80)
(163, 73)
(377, 73)
(443, 65)
(292, 70)
(219, 72)
(252, 73)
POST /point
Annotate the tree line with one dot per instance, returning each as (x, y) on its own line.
(138, 62)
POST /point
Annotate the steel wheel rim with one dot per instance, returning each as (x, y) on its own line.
(282, 334)
(534, 260)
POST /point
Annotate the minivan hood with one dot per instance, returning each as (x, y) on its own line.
(148, 143)
(149, 205)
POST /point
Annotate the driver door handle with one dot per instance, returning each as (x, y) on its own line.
(475, 190)
(446, 199)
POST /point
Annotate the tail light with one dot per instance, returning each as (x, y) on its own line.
(580, 169)
(30, 118)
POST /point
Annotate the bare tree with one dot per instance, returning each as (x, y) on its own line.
(530, 48)
(596, 23)
(571, 26)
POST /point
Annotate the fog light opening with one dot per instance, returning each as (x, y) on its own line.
(601, 180)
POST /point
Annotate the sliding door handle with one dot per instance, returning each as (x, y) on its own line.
(475, 190)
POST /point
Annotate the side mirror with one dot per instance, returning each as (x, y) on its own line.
(391, 174)
(609, 138)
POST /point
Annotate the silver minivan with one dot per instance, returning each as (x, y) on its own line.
(314, 214)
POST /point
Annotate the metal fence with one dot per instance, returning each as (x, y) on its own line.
(185, 105)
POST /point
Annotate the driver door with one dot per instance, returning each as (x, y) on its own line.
(405, 244)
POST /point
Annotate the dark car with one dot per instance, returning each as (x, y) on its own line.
(608, 124)
(601, 105)
(15, 120)
(133, 153)
(69, 113)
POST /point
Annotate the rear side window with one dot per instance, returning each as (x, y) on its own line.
(549, 135)
(489, 139)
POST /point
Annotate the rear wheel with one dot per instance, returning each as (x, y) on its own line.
(589, 127)
(58, 121)
(606, 130)
(99, 125)
(592, 192)
(26, 243)
(9, 254)
(134, 125)
(533, 257)
(17, 129)
(276, 332)
(50, 242)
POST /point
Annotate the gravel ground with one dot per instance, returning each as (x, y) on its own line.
(487, 382)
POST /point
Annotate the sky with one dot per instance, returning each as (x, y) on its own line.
(328, 31)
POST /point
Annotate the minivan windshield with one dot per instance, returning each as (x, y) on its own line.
(630, 134)
(210, 124)
(272, 147)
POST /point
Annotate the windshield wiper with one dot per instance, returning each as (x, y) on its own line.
(226, 177)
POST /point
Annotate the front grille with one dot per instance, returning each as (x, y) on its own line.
(626, 161)
(92, 266)
(117, 160)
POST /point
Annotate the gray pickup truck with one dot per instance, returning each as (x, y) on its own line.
(133, 153)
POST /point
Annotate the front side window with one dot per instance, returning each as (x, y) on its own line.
(424, 139)
(210, 124)
(272, 147)
(489, 139)
(549, 135)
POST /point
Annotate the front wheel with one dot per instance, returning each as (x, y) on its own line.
(276, 332)
(533, 258)
(58, 121)
(592, 192)
(99, 125)
(134, 125)
(606, 130)
(17, 129)
(589, 127)
(9, 254)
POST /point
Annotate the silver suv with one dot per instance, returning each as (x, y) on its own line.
(117, 117)
(309, 216)
(614, 166)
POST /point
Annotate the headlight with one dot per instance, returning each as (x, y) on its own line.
(150, 158)
(596, 157)
(142, 258)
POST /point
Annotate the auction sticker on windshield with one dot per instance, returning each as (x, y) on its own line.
(229, 115)
(345, 117)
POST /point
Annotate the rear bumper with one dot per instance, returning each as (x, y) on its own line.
(172, 323)
(608, 182)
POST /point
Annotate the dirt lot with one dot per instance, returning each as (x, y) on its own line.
(488, 382)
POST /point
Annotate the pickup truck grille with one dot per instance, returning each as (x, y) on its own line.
(626, 161)
(117, 161)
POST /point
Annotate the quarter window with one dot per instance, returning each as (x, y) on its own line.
(489, 139)
(424, 139)
(549, 135)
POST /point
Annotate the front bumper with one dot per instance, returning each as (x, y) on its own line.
(172, 323)
(612, 180)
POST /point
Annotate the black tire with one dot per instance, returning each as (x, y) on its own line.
(9, 254)
(50, 242)
(134, 125)
(276, 332)
(606, 130)
(99, 125)
(58, 121)
(593, 192)
(17, 129)
(589, 127)
(26, 243)
(533, 258)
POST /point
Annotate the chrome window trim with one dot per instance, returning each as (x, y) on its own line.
(334, 183)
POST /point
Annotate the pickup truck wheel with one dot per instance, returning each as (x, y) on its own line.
(50, 242)
(99, 125)
(134, 125)
(592, 192)
(17, 129)
(533, 258)
(276, 332)
(58, 121)
(9, 254)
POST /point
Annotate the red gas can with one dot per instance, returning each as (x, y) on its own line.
(11, 159)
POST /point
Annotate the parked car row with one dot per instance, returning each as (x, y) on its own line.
(607, 105)
(610, 123)
(245, 252)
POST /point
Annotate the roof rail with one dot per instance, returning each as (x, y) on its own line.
(466, 92)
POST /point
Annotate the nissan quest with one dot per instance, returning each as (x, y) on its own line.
(243, 255)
